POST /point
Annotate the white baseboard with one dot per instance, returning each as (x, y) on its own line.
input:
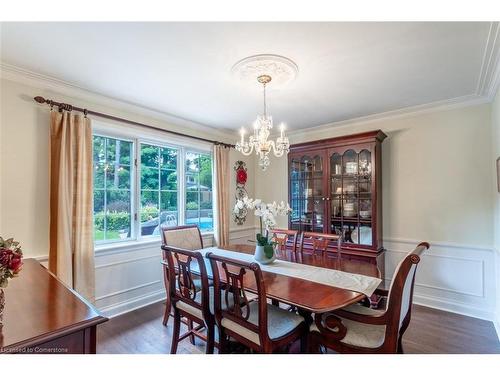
(132, 304)
(452, 307)
(496, 323)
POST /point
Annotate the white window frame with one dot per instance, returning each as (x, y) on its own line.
(154, 138)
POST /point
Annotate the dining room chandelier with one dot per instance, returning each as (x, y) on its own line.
(260, 141)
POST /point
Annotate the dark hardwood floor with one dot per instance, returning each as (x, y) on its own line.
(430, 331)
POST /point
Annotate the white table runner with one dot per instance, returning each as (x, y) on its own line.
(340, 279)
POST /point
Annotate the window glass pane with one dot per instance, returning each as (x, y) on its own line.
(158, 188)
(168, 179)
(192, 200)
(149, 178)
(112, 184)
(150, 212)
(192, 163)
(99, 172)
(118, 218)
(150, 155)
(98, 150)
(199, 208)
(117, 177)
(205, 172)
(168, 201)
(169, 158)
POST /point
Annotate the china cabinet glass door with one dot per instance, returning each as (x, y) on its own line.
(307, 193)
(351, 196)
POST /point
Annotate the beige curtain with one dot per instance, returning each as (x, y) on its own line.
(221, 163)
(71, 255)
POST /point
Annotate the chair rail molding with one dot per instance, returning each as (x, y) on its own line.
(454, 277)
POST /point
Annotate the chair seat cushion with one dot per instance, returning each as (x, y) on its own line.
(359, 334)
(197, 312)
(279, 323)
(362, 310)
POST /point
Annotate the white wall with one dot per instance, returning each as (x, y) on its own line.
(495, 121)
(436, 187)
(24, 186)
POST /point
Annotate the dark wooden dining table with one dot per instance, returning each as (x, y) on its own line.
(308, 296)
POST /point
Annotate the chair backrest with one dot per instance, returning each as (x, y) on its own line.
(181, 265)
(281, 237)
(184, 237)
(320, 242)
(401, 290)
(230, 277)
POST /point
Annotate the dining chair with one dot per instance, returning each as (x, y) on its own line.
(256, 324)
(190, 295)
(184, 237)
(359, 329)
(320, 242)
(281, 238)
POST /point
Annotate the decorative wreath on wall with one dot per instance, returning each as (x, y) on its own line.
(241, 179)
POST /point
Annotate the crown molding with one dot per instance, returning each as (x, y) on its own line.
(437, 106)
(488, 80)
(58, 86)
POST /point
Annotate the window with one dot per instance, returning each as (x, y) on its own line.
(199, 191)
(112, 189)
(158, 188)
(140, 186)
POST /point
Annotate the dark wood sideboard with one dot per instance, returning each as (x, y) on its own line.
(335, 185)
(42, 315)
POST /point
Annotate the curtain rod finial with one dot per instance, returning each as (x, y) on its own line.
(39, 99)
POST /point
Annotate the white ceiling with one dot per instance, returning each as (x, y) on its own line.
(346, 70)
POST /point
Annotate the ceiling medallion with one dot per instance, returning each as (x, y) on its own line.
(264, 69)
(280, 68)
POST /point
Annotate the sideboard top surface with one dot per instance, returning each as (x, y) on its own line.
(39, 307)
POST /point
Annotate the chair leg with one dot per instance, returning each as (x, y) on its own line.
(210, 338)
(223, 341)
(304, 345)
(400, 344)
(313, 346)
(190, 327)
(176, 333)
(168, 309)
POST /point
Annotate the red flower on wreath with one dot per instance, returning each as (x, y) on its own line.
(241, 176)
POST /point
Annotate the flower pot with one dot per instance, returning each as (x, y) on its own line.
(260, 254)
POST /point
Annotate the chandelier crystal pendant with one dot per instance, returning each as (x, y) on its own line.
(261, 130)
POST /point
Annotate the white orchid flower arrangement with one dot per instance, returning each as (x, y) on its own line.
(267, 213)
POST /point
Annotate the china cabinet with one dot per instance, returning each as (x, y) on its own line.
(335, 187)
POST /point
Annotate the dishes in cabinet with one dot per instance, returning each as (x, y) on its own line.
(351, 167)
(365, 235)
(349, 209)
(350, 188)
(365, 214)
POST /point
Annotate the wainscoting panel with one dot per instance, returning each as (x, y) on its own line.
(130, 276)
(450, 277)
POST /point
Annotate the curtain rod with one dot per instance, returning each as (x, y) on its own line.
(85, 111)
